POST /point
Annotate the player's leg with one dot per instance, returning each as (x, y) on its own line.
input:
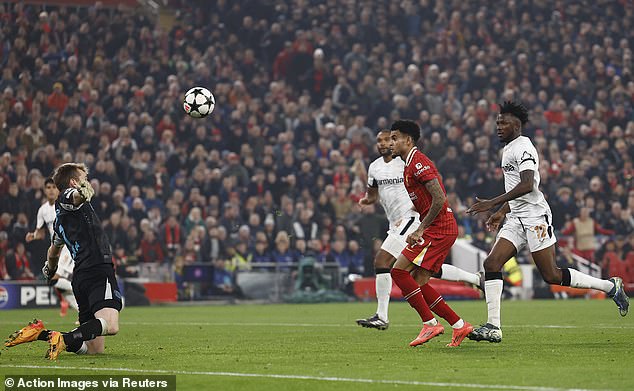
(63, 287)
(502, 251)
(545, 261)
(99, 304)
(111, 327)
(382, 264)
(64, 275)
(451, 273)
(412, 293)
(542, 241)
(431, 261)
(96, 346)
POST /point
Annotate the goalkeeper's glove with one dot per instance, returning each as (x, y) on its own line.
(86, 190)
(48, 272)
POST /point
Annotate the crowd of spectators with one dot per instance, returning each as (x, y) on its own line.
(301, 88)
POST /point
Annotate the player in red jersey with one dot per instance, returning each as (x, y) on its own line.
(430, 243)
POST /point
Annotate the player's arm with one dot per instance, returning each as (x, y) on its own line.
(438, 199)
(52, 257)
(524, 187)
(371, 196)
(38, 234)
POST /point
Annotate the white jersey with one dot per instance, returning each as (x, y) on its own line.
(388, 178)
(46, 215)
(520, 155)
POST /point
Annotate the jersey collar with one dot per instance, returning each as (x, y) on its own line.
(410, 155)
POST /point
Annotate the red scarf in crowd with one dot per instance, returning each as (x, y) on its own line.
(168, 234)
(21, 261)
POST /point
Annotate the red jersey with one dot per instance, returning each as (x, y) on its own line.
(418, 170)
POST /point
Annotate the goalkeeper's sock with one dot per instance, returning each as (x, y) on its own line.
(43, 335)
(85, 332)
(83, 349)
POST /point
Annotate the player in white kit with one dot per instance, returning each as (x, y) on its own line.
(385, 184)
(528, 223)
(45, 220)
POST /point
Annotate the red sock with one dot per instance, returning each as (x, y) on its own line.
(437, 304)
(411, 292)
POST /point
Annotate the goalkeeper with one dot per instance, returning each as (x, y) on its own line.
(94, 284)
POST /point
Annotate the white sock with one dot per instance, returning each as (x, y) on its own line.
(70, 298)
(383, 285)
(432, 322)
(63, 284)
(493, 293)
(83, 349)
(581, 280)
(458, 325)
(452, 273)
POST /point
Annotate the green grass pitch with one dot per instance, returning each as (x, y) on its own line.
(548, 345)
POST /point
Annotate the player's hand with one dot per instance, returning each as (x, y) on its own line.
(365, 201)
(86, 190)
(481, 205)
(414, 237)
(30, 236)
(48, 272)
(494, 221)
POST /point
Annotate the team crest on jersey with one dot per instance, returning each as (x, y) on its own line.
(508, 168)
(526, 157)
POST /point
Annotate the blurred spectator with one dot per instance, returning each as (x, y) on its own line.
(151, 248)
(585, 230)
(563, 207)
(17, 263)
(57, 100)
(282, 254)
(4, 249)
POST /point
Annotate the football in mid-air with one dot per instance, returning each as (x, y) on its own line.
(199, 102)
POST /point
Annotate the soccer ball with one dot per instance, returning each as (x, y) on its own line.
(199, 102)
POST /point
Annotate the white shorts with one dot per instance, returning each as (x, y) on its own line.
(537, 232)
(65, 265)
(395, 242)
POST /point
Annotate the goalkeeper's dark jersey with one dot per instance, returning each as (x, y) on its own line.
(79, 229)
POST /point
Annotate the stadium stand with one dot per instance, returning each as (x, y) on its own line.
(301, 87)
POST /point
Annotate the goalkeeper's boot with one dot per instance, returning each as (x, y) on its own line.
(618, 295)
(486, 332)
(460, 334)
(56, 345)
(426, 333)
(374, 322)
(28, 333)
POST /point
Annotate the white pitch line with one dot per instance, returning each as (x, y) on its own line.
(304, 377)
(351, 324)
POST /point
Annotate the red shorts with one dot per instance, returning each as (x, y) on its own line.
(431, 251)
